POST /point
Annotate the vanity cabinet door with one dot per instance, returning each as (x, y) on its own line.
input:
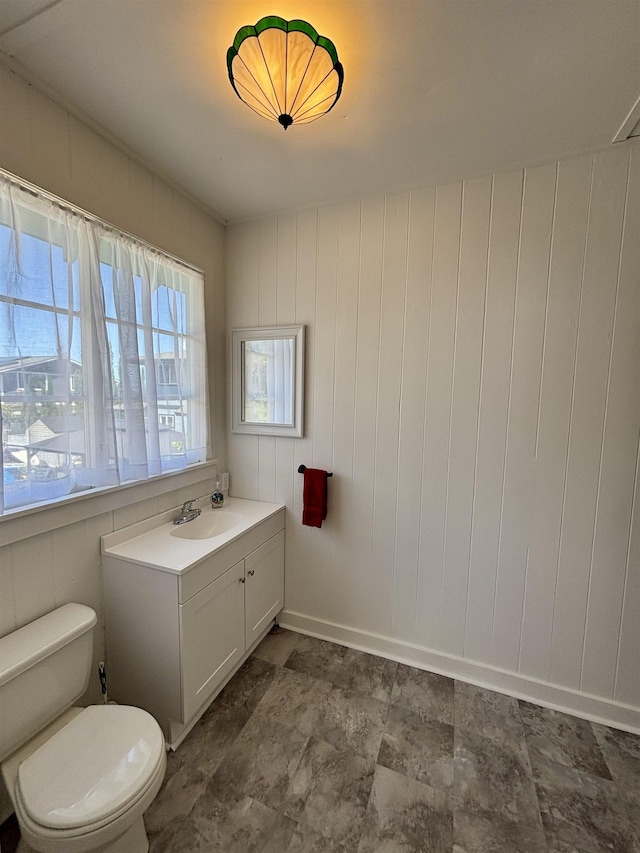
(264, 587)
(212, 641)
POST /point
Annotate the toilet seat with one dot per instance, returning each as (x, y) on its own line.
(92, 770)
(127, 759)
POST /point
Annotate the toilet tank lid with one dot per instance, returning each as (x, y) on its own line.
(34, 642)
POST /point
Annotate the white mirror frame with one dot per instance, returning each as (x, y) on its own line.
(238, 339)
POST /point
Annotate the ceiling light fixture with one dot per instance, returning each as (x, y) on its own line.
(285, 71)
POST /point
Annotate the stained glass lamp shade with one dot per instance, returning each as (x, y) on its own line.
(285, 71)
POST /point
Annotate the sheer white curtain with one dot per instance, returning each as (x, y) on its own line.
(279, 384)
(268, 381)
(102, 353)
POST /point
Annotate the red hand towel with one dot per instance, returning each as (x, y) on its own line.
(314, 497)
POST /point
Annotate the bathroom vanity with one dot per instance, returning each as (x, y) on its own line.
(186, 604)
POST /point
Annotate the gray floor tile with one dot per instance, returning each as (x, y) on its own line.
(181, 791)
(221, 825)
(295, 700)
(584, 811)
(207, 744)
(621, 751)
(560, 737)
(367, 674)
(328, 797)
(491, 714)
(317, 658)
(493, 777)
(277, 646)
(348, 720)
(405, 816)
(421, 749)
(344, 719)
(425, 693)
(487, 832)
(310, 841)
(261, 762)
(164, 841)
(247, 686)
(313, 748)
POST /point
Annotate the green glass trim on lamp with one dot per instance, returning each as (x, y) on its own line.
(293, 92)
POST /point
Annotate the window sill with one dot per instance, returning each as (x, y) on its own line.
(19, 524)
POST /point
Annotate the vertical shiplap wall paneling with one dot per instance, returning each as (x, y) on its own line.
(340, 486)
(439, 391)
(267, 271)
(305, 263)
(300, 584)
(595, 326)
(140, 192)
(162, 207)
(286, 281)
(392, 308)
(50, 150)
(472, 274)
(324, 375)
(285, 316)
(617, 465)
(504, 236)
(627, 682)
(327, 582)
(267, 312)
(473, 379)
(558, 360)
(465, 389)
(366, 406)
(412, 407)
(243, 268)
(522, 418)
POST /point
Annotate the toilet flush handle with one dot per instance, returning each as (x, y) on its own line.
(102, 675)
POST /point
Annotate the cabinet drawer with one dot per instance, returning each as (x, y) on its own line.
(200, 576)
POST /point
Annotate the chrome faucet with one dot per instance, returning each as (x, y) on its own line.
(187, 513)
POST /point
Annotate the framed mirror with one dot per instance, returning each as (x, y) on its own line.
(267, 375)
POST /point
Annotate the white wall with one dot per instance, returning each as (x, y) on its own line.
(473, 381)
(53, 556)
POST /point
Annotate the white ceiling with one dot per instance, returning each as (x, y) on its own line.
(435, 90)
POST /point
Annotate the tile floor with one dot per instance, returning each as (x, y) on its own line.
(315, 747)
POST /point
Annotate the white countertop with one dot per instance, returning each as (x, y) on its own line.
(157, 542)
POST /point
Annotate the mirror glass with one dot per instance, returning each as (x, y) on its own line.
(267, 374)
(267, 381)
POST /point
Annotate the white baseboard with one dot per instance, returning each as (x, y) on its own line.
(594, 708)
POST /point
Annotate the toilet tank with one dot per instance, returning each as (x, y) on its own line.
(44, 668)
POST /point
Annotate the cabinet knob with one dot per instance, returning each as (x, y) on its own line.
(251, 572)
(241, 580)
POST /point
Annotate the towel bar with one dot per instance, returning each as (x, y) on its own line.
(303, 468)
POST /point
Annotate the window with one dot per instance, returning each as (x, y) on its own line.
(102, 354)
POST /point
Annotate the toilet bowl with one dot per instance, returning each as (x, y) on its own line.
(83, 780)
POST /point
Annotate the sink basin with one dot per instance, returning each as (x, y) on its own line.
(209, 524)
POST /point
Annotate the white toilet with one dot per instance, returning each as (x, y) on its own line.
(80, 779)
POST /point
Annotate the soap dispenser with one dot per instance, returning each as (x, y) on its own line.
(217, 498)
